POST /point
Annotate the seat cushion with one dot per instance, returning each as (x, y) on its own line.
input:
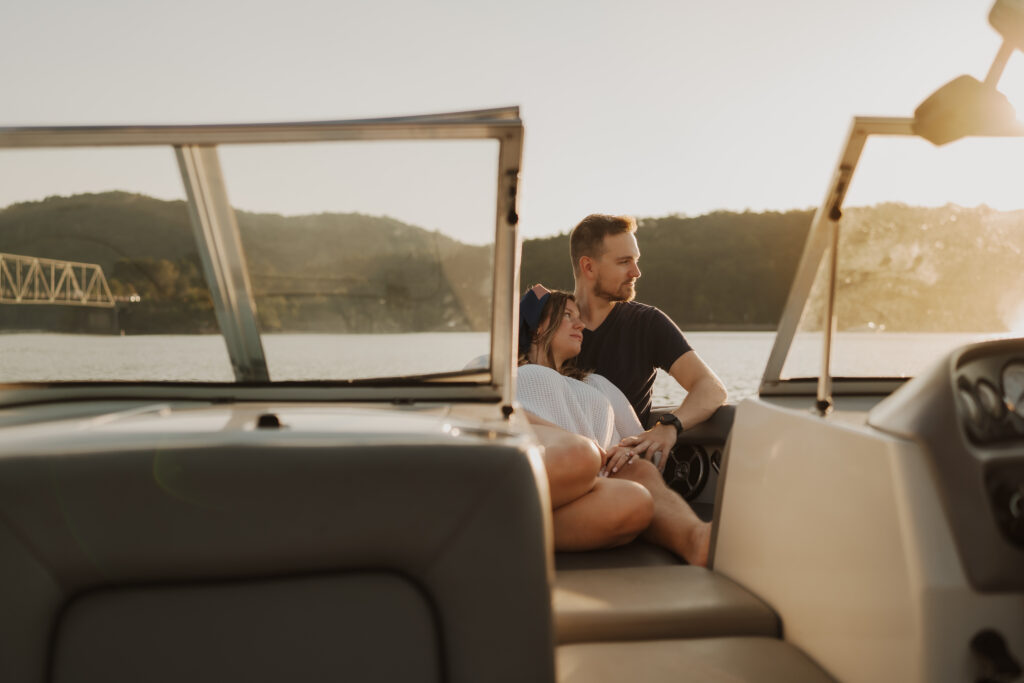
(729, 660)
(302, 628)
(639, 553)
(642, 603)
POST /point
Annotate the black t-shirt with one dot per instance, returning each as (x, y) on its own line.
(632, 342)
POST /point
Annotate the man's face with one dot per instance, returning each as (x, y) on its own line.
(616, 269)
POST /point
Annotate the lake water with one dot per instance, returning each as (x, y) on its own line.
(737, 357)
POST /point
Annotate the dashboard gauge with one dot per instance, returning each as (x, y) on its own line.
(971, 408)
(1013, 386)
(990, 400)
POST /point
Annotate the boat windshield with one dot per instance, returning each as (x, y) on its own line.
(929, 258)
(346, 260)
(368, 260)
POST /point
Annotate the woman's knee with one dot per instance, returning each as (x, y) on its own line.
(572, 459)
(571, 466)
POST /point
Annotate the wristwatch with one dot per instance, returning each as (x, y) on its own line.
(670, 419)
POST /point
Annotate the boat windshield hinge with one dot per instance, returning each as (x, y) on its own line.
(513, 190)
(824, 406)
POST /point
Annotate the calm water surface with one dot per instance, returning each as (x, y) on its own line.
(737, 357)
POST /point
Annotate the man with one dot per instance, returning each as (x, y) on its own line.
(602, 494)
(627, 341)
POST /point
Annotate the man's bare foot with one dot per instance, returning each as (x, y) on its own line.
(699, 545)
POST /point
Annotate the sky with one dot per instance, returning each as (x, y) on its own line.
(647, 108)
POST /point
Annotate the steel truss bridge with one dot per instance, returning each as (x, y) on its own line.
(30, 280)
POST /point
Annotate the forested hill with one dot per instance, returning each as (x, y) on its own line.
(901, 267)
(323, 272)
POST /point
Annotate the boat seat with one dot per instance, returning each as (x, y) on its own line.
(646, 603)
(709, 660)
(272, 561)
(639, 553)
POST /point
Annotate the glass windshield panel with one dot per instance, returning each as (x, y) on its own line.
(368, 259)
(99, 273)
(930, 254)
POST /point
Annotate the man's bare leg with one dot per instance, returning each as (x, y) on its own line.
(675, 525)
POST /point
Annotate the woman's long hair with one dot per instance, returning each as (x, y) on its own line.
(550, 321)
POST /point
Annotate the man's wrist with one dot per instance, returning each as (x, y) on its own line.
(672, 421)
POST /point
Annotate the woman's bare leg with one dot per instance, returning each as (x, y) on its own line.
(571, 461)
(589, 512)
(612, 513)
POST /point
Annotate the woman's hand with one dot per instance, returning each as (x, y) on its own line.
(615, 458)
(654, 444)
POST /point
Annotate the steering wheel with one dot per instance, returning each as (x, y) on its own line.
(687, 470)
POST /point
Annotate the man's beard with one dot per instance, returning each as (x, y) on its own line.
(602, 293)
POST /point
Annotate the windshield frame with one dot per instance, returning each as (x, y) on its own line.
(223, 260)
(822, 238)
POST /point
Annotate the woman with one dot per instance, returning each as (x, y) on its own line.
(552, 388)
(603, 495)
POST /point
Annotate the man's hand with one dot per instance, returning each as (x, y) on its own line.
(654, 444)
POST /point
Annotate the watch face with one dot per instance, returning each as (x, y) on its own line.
(669, 419)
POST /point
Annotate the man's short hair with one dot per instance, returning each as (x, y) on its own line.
(587, 238)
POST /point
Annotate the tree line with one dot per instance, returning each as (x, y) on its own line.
(723, 270)
(901, 268)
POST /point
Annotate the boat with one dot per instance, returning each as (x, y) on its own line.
(224, 510)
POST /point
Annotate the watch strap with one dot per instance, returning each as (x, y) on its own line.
(670, 419)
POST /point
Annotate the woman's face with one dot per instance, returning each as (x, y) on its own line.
(568, 338)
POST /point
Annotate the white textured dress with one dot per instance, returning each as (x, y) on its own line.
(594, 407)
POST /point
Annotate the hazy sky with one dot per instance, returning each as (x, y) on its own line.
(646, 107)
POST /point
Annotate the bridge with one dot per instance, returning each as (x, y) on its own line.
(31, 280)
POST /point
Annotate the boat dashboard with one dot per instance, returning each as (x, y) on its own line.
(967, 413)
(990, 394)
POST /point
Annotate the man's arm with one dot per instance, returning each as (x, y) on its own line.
(704, 394)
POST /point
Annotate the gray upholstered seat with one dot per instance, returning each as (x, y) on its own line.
(639, 553)
(647, 603)
(271, 562)
(710, 660)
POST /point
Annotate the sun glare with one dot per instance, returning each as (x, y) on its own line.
(970, 172)
(1015, 322)
(1012, 84)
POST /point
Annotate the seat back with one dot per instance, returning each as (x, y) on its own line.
(270, 563)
